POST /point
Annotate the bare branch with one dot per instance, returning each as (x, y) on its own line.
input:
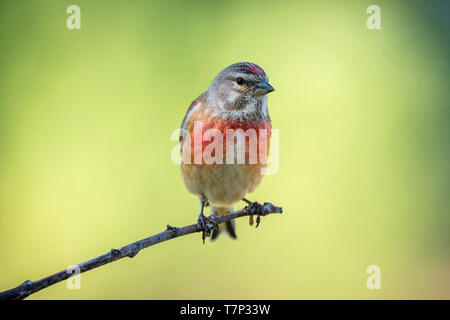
(29, 287)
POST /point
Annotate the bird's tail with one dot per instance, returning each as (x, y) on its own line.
(227, 226)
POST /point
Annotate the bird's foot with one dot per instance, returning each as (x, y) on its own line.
(255, 208)
(206, 224)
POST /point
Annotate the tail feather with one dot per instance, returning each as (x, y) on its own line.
(228, 226)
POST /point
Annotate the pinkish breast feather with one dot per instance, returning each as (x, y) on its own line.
(223, 125)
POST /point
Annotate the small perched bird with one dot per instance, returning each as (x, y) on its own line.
(236, 99)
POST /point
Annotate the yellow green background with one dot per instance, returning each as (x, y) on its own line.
(85, 151)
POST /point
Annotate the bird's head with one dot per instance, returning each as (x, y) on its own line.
(238, 86)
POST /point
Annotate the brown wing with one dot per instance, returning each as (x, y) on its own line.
(197, 103)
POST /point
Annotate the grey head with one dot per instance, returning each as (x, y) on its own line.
(241, 86)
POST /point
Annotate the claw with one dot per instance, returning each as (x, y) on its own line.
(206, 224)
(255, 208)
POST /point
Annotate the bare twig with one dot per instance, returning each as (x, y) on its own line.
(29, 287)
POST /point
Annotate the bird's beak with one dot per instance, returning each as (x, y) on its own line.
(263, 87)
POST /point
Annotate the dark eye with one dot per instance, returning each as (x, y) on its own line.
(239, 81)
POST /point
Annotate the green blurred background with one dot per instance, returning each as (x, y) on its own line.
(85, 151)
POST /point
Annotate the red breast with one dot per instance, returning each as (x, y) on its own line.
(201, 116)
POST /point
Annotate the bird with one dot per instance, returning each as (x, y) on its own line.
(236, 101)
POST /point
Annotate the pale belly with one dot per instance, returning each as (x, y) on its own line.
(223, 185)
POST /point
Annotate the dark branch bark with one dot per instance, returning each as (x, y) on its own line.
(29, 287)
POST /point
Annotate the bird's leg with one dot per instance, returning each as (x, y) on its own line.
(205, 223)
(251, 215)
(254, 208)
